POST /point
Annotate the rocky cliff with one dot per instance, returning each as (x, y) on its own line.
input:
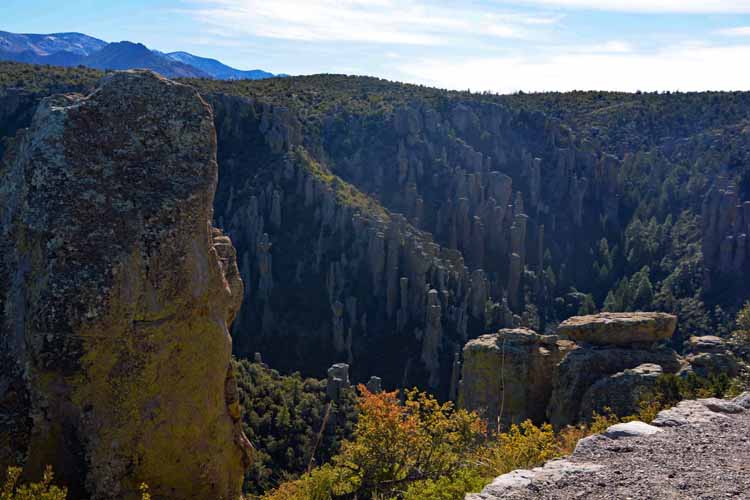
(114, 335)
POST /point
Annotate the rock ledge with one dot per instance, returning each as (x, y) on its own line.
(619, 328)
(696, 450)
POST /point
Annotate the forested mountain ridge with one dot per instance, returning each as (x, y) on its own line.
(78, 49)
(372, 216)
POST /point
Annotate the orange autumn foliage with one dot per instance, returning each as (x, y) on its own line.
(395, 444)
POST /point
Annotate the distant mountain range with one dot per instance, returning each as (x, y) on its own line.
(218, 69)
(74, 49)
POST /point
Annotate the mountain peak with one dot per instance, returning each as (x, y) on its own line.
(218, 69)
(128, 55)
(48, 44)
(72, 48)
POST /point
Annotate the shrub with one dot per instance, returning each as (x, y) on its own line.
(321, 483)
(424, 450)
(453, 487)
(395, 448)
(43, 490)
(396, 444)
(522, 447)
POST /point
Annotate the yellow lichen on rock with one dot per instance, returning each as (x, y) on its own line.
(507, 375)
(122, 294)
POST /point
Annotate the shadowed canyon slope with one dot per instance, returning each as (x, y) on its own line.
(371, 216)
(115, 349)
(432, 217)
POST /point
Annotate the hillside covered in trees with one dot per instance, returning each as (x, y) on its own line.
(372, 216)
(383, 225)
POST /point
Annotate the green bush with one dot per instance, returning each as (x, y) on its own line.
(43, 490)
(290, 423)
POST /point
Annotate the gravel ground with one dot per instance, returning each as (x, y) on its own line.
(698, 450)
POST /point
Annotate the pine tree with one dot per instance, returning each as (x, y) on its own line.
(644, 294)
(610, 303)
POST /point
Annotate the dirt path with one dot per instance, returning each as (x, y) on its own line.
(697, 450)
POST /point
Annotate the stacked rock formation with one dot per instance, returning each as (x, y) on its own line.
(114, 343)
(619, 329)
(375, 384)
(614, 365)
(608, 360)
(507, 374)
(337, 381)
(407, 285)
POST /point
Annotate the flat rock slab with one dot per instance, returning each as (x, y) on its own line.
(706, 343)
(631, 429)
(707, 457)
(619, 328)
(553, 471)
(743, 400)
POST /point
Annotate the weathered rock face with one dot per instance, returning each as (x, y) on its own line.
(711, 355)
(508, 375)
(583, 368)
(16, 109)
(619, 328)
(375, 384)
(621, 393)
(114, 344)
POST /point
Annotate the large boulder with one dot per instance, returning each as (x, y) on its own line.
(623, 329)
(620, 393)
(117, 296)
(710, 355)
(507, 375)
(583, 368)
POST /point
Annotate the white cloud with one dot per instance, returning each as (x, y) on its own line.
(654, 6)
(406, 22)
(610, 47)
(459, 44)
(739, 31)
(685, 67)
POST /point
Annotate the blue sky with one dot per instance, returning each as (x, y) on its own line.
(501, 46)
